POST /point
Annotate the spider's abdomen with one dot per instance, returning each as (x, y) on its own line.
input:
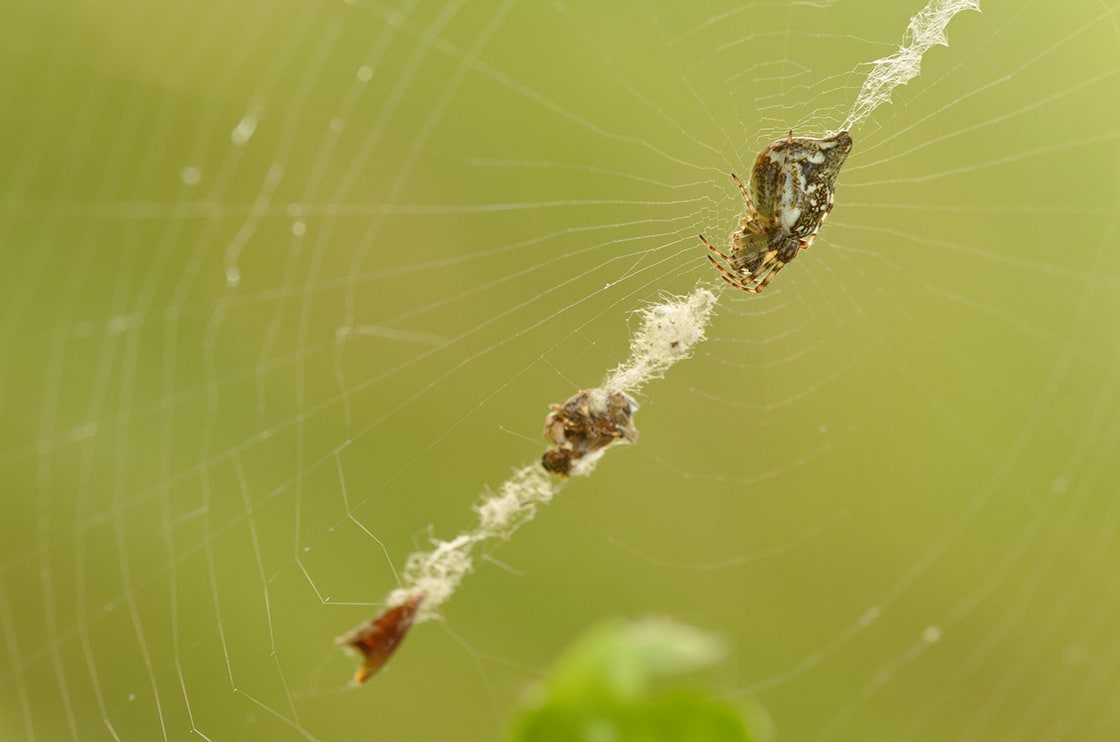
(793, 180)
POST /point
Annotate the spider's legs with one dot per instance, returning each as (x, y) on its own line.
(808, 240)
(727, 275)
(734, 280)
(743, 189)
(711, 248)
(750, 285)
(744, 279)
(778, 265)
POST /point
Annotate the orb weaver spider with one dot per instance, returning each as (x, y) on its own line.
(791, 188)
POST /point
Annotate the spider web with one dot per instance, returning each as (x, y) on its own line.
(286, 287)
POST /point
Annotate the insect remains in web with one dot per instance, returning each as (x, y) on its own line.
(790, 195)
(586, 425)
(378, 638)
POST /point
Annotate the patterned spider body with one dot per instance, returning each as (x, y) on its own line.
(791, 189)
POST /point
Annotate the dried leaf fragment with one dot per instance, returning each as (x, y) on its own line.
(378, 638)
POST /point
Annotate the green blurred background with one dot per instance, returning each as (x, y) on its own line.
(287, 285)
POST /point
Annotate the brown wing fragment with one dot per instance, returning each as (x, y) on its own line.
(378, 638)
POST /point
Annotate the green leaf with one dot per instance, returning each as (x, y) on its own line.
(602, 690)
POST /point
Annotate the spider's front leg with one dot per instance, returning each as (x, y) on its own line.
(746, 283)
(778, 265)
(711, 249)
(743, 190)
(732, 278)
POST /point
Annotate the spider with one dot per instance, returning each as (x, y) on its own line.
(790, 195)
